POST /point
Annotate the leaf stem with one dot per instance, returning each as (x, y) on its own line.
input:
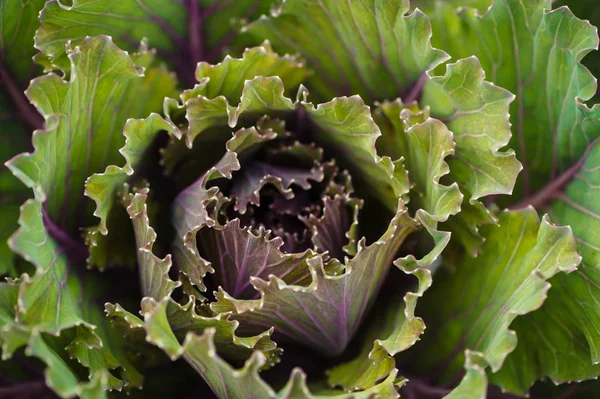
(26, 111)
(554, 188)
(416, 388)
(76, 251)
(415, 92)
(24, 390)
(568, 393)
(196, 40)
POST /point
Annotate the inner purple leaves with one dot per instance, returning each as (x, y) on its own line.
(329, 231)
(237, 254)
(277, 207)
(251, 179)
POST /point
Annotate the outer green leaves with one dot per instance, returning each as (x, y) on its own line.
(255, 83)
(84, 122)
(535, 54)
(128, 22)
(46, 301)
(424, 143)
(431, 6)
(561, 339)
(372, 38)
(18, 22)
(471, 129)
(102, 79)
(506, 280)
(199, 352)
(55, 302)
(199, 349)
(104, 188)
(17, 26)
(154, 272)
(476, 112)
(14, 137)
(586, 9)
(184, 33)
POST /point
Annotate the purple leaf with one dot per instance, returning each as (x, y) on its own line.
(237, 255)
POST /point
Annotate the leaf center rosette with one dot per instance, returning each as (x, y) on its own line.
(280, 207)
(272, 198)
(272, 228)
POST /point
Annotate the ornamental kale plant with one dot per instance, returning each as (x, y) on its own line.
(299, 199)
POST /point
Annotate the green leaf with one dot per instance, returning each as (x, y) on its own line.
(60, 377)
(184, 33)
(225, 381)
(431, 6)
(49, 300)
(127, 22)
(18, 22)
(14, 137)
(519, 256)
(84, 123)
(200, 352)
(474, 383)
(535, 54)
(17, 117)
(372, 39)
(575, 390)
(561, 340)
(253, 85)
(168, 323)
(345, 125)
(463, 143)
(12, 334)
(55, 302)
(153, 271)
(105, 187)
(476, 113)
(586, 9)
(423, 143)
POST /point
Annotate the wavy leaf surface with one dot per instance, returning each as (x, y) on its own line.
(536, 53)
(511, 273)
